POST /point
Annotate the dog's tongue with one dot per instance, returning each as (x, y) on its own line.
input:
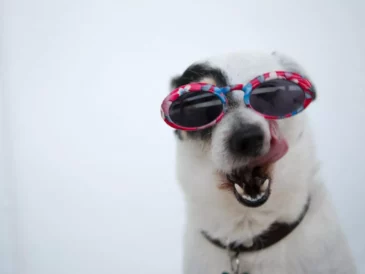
(278, 147)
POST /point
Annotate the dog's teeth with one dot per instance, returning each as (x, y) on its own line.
(238, 189)
(265, 185)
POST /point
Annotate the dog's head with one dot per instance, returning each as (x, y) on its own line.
(244, 155)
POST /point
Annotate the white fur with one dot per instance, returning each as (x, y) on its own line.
(316, 246)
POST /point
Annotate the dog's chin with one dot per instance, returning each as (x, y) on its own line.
(251, 186)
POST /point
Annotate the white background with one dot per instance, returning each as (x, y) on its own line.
(87, 165)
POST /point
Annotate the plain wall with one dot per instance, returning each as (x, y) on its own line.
(7, 214)
(88, 171)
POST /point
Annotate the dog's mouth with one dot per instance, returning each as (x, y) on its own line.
(252, 184)
(251, 187)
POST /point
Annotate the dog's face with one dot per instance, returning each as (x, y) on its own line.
(244, 155)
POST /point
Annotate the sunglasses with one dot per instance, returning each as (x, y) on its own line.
(274, 95)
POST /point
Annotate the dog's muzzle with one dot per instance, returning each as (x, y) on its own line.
(252, 183)
(246, 141)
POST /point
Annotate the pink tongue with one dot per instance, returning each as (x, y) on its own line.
(278, 147)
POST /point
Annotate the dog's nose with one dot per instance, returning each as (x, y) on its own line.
(247, 140)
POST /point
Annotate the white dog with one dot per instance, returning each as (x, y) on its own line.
(247, 212)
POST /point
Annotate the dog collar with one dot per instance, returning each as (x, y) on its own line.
(274, 234)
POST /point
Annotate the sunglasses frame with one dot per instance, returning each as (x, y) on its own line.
(220, 92)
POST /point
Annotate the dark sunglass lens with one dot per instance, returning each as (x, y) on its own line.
(195, 109)
(277, 97)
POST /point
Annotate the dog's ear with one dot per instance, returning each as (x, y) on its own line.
(174, 82)
(289, 64)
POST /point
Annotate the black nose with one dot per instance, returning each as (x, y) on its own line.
(247, 141)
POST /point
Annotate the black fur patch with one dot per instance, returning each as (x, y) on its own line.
(194, 73)
(178, 134)
(198, 71)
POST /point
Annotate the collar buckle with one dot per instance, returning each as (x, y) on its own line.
(234, 260)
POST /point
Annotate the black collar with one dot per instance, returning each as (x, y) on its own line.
(274, 234)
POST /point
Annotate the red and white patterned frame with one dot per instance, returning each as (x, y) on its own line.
(220, 92)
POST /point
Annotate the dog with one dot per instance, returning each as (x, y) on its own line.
(245, 214)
